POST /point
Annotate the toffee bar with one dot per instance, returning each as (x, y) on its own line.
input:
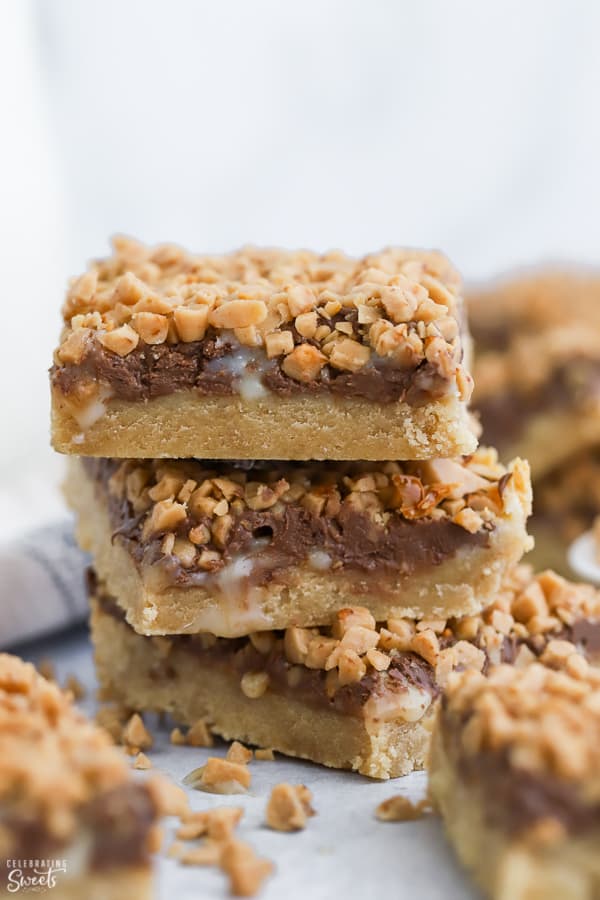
(567, 500)
(67, 794)
(515, 774)
(263, 354)
(191, 546)
(537, 367)
(357, 695)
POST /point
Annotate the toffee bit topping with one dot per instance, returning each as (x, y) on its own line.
(307, 310)
(546, 720)
(194, 509)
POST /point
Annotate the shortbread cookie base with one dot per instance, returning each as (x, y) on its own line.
(131, 884)
(126, 666)
(186, 424)
(505, 868)
(462, 585)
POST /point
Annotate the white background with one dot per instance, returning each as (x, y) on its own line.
(470, 125)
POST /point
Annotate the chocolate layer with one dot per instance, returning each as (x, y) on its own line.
(280, 539)
(205, 366)
(506, 414)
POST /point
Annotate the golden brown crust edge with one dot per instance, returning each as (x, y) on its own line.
(184, 425)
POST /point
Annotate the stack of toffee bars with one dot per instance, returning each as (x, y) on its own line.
(294, 536)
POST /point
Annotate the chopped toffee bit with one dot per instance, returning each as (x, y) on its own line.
(199, 735)
(264, 754)
(237, 753)
(246, 871)
(208, 853)
(219, 776)
(142, 762)
(401, 809)
(135, 734)
(189, 831)
(219, 847)
(177, 737)
(289, 807)
(218, 823)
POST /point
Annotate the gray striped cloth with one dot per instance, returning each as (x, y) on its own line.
(41, 584)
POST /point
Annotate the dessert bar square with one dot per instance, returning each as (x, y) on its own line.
(515, 774)
(67, 797)
(359, 694)
(263, 354)
(567, 500)
(537, 367)
(190, 546)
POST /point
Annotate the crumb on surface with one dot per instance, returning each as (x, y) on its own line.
(220, 776)
(401, 809)
(289, 807)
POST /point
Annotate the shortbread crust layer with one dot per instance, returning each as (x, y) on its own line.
(179, 426)
(294, 544)
(264, 340)
(355, 695)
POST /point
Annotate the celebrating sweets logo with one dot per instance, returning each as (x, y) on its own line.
(33, 875)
